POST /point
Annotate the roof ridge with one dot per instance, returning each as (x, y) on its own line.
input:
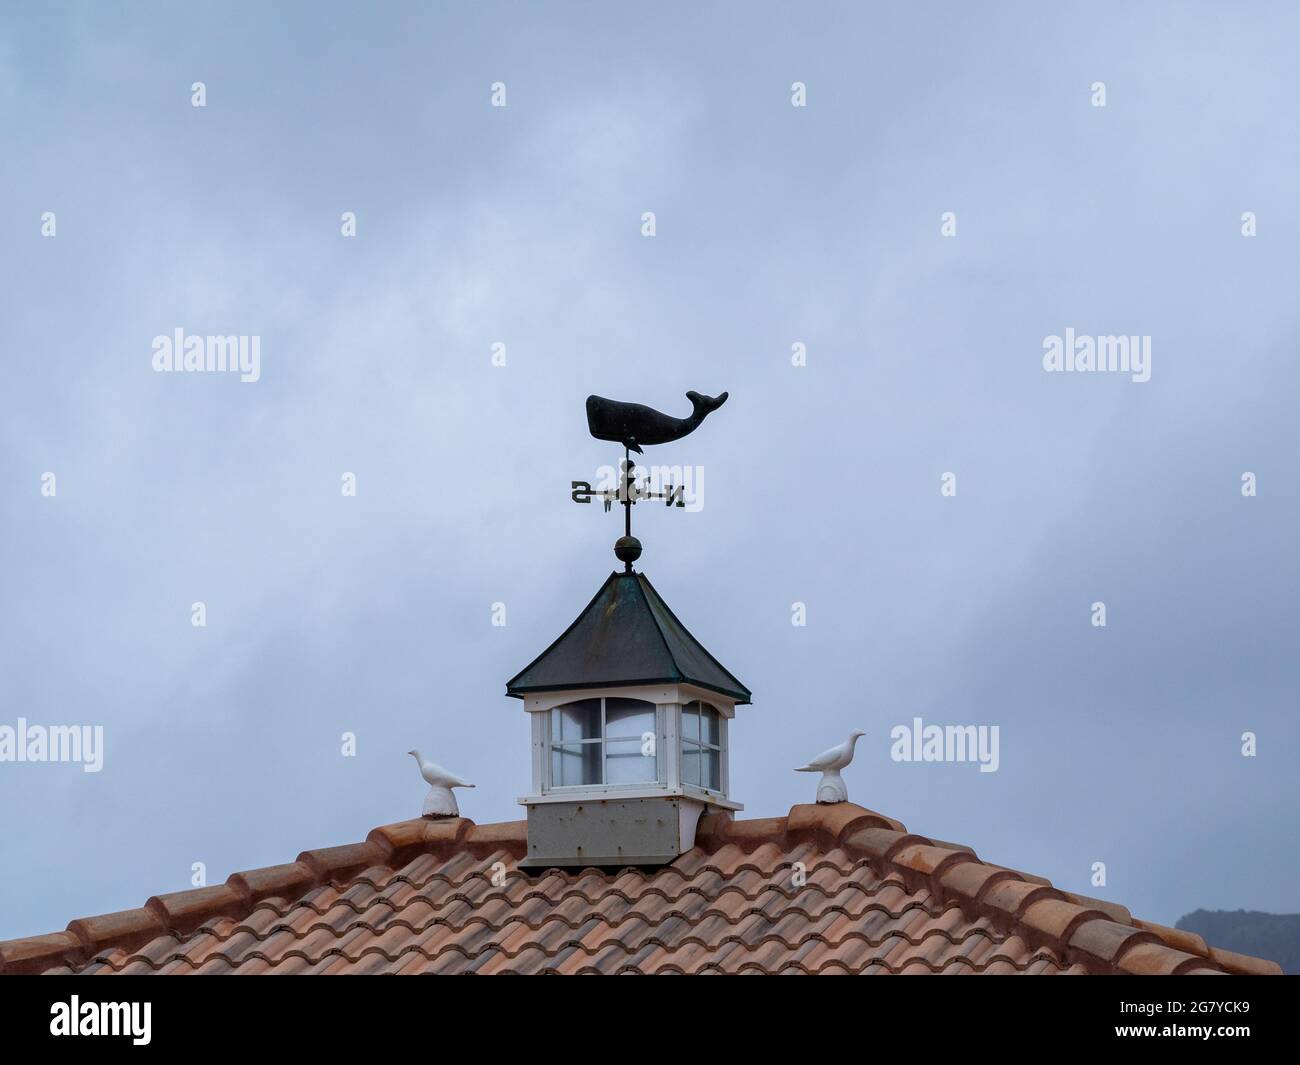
(184, 911)
(1083, 930)
(641, 582)
(1098, 935)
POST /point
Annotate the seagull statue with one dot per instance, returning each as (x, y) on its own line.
(829, 763)
(440, 802)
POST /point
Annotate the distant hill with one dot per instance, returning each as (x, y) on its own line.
(1275, 936)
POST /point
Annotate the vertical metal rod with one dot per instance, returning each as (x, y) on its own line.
(627, 490)
(627, 500)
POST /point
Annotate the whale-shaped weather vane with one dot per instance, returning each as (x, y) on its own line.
(634, 424)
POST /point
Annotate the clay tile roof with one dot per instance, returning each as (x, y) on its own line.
(828, 889)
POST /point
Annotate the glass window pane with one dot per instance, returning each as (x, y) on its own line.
(575, 765)
(712, 769)
(629, 718)
(558, 767)
(626, 762)
(566, 765)
(690, 764)
(691, 722)
(710, 725)
(576, 721)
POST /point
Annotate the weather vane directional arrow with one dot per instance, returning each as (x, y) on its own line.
(632, 425)
(628, 491)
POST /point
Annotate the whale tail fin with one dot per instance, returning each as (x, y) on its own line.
(705, 404)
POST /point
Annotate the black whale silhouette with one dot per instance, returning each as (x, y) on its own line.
(632, 424)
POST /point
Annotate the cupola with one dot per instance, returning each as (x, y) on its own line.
(630, 719)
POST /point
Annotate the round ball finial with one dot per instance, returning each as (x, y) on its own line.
(627, 549)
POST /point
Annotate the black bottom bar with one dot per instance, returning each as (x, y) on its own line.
(333, 1014)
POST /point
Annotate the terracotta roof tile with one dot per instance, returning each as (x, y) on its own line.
(1113, 910)
(879, 843)
(1104, 942)
(344, 862)
(1156, 959)
(1055, 919)
(828, 889)
(186, 910)
(1189, 942)
(38, 953)
(126, 929)
(1242, 964)
(1006, 900)
(930, 860)
(969, 880)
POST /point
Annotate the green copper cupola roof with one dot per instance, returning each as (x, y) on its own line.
(626, 636)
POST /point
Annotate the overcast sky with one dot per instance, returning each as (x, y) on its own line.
(775, 225)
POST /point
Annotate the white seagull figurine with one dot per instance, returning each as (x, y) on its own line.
(440, 801)
(829, 763)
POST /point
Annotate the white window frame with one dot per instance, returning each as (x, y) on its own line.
(551, 788)
(701, 746)
(668, 700)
